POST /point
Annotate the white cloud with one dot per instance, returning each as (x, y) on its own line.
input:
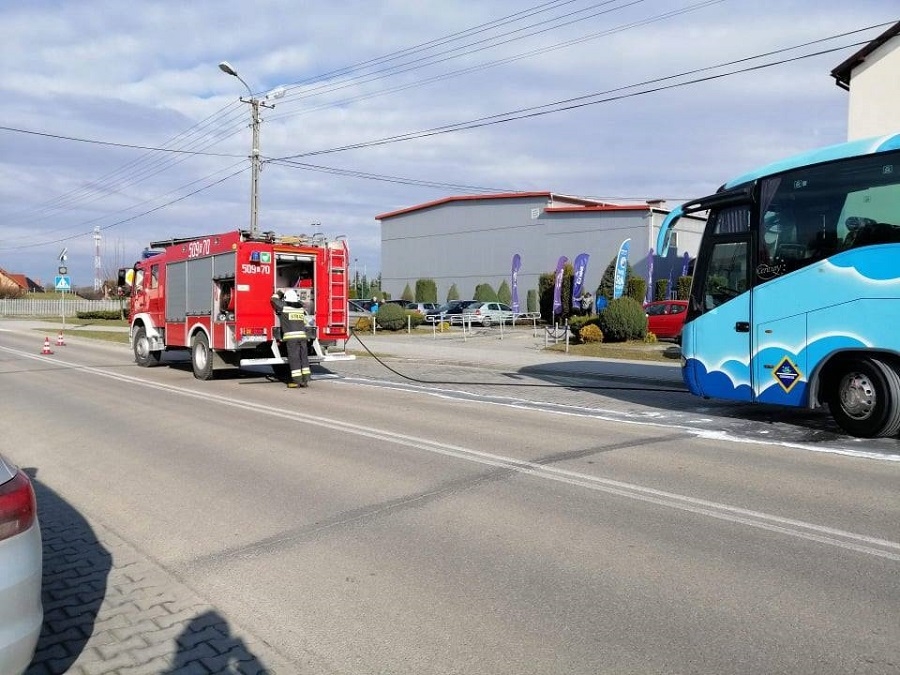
(146, 74)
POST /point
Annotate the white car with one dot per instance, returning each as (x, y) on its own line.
(21, 612)
(487, 313)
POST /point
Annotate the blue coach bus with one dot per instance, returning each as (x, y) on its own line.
(796, 291)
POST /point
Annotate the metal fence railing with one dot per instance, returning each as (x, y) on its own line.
(49, 307)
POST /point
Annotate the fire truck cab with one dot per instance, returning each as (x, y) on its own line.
(210, 296)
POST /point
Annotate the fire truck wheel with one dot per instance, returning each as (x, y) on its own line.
(201, 357)
(143, 355)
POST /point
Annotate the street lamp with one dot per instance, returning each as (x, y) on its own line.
(255, 162)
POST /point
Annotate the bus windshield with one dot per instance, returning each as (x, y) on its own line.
(810, 214)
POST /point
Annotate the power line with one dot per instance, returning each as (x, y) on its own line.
(581, 101)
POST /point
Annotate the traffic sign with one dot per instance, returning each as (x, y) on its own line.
(62, 284)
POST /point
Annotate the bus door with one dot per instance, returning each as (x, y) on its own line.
(717, 338)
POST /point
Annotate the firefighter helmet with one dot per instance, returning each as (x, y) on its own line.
(292, 297)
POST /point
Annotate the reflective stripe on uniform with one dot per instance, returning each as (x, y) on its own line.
(294, 335)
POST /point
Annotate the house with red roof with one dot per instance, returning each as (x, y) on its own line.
(470, 240)
(18, 283)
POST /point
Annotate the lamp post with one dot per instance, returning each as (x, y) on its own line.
(255, 162)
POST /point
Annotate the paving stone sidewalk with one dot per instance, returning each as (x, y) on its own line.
(110, 609)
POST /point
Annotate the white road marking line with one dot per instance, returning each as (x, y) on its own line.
(873, 546)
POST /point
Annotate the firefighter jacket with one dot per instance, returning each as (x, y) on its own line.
(294, 320)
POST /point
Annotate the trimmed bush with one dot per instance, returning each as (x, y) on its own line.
(623, 319)
(636, 288)
(504, 295)
(426, 290)
(650, 338)
(485, 293)
(453, 293)
(576, 323)
(391, 317)
(661, 289)
(100, 314)
(531, 303)
(683, 287)
(407, 294)
(591, 333)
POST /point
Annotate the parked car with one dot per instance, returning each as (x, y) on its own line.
(21, 612)
(451, 309)
(665, 318)
(356, 311)
(487, 313)
(421, 307)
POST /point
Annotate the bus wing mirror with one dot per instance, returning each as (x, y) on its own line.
(665, 231)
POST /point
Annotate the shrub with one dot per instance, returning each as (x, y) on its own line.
(591, 333)
(485, 293)
(415, 319)
(363, 324)
(453, 293)
(407, 294)
(11, 292)
(99, 314)
(636, 288)
(607, 281)
(661, 291)
(650, 338)
(576, 323)
(623, 319)
(683, 287)
(504, 295)
(531, 303)
(391, 317)
(426, 290)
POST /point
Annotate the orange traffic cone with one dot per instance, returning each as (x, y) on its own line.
(60, 342)
(46, 349)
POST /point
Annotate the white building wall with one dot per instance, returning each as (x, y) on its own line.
(473, 242)
(875, 93)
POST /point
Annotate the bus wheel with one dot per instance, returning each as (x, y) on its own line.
(201, 357)
(143, 355)
(866, 402)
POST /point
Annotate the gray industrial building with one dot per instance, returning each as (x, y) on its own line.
(470, 240)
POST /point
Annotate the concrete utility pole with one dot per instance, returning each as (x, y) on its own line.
(255, 162)
(98, 265)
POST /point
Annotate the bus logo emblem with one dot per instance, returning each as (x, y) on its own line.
(787, 374)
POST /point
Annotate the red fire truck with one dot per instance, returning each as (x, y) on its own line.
(210, 295)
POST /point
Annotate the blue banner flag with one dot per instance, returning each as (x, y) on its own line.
(516, 264)
(621, 270)
(649, 297)
(557, 286)
(580, 264)
(687, 262)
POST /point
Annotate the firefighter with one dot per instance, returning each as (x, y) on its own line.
(294, 321)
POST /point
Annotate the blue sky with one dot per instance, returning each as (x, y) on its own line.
(161, 139)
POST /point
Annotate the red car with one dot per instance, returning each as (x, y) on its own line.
(665, 318)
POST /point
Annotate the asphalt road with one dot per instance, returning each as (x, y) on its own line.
(460, 519)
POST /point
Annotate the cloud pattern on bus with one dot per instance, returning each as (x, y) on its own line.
(786, 322)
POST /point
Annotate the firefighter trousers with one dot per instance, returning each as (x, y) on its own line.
(298, 360)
